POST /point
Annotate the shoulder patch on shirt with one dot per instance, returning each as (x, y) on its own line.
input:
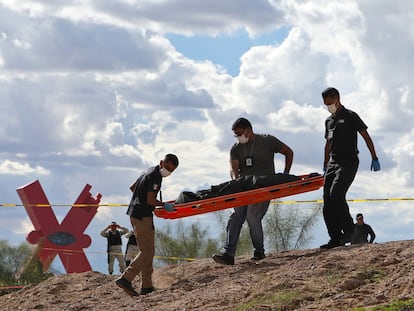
(155, 187)
(341, 121)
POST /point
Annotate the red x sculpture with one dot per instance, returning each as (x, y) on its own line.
(66, 239)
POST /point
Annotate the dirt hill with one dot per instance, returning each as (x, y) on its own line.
(339, 279)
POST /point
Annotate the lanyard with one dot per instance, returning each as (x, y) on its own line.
(251, 150)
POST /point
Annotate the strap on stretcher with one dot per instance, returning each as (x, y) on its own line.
(305, 184)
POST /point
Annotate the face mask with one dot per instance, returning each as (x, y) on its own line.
(332, 108)
(243, 139)
(164, 172)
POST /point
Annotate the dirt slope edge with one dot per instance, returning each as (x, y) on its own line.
(339, 279)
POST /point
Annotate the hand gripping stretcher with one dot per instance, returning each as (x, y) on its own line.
(306, 183)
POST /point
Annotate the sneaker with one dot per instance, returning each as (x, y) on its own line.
(224, 259)
(126, 286)
(258, 256)
(147, 290)
(331, 244)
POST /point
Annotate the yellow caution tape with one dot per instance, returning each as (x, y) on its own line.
(272, 201)
(69, 251)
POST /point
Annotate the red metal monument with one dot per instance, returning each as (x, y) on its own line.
(66, 239)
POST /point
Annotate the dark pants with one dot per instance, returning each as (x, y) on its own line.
(338, 179)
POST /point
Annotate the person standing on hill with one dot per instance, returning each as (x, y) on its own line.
(113, 233)
(341, 165)
(132, 249)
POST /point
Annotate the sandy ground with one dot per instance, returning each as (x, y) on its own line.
(339, 279)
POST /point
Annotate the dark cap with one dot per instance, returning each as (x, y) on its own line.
(359, 215)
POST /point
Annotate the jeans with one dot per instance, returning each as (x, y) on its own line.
(254, 214)
(338, 179)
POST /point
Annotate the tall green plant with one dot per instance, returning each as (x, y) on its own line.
(19, 265)
(289, 227)
(177, 241)
(244, 245)
(11, 259)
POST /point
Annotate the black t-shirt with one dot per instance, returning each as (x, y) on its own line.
(149, 181)
(341, 130)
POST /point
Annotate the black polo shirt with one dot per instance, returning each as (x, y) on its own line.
(149, 181)
(341, 131)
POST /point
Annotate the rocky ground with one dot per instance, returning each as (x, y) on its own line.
(343, 278)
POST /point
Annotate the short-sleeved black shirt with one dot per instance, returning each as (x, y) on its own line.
(341, 130)
(149, 181)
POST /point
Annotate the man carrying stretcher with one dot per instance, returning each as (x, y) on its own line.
(252, 155)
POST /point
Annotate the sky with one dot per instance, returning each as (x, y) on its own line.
(94, 92)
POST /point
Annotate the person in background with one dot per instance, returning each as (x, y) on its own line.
(361, 231)
(143, 202)
(341, 165)
(113, 233)
(252, 155)
(132, 249)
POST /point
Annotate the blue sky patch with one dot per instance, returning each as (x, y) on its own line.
(225, 50)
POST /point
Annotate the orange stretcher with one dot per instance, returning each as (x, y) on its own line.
(305, 184)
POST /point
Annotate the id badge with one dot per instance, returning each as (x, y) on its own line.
(249, 162)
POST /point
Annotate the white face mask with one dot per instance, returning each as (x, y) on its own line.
(164, 172)
(243, 139)
(332, 108)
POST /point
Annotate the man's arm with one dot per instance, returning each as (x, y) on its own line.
(288, 153)
(326, 154)
(234, 169)
(152, 199)
(123, 230)
(104, 232)
(371, 234)
(369, 143)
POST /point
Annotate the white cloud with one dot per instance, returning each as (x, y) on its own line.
(8, 167)
(295, 118)
(93, 92)
(22, 227)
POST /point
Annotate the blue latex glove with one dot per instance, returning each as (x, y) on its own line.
(169, 207)
(375, 165)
